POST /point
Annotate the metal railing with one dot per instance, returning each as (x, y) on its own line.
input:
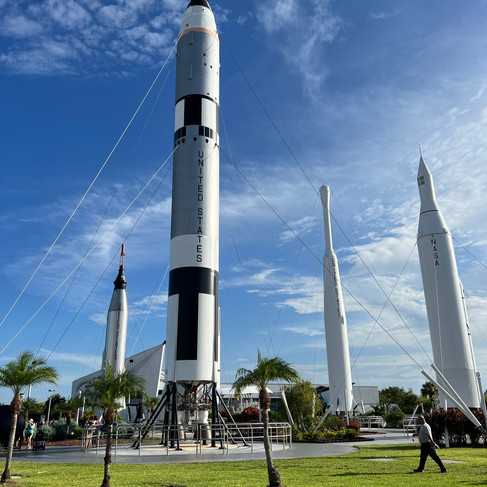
(409, 424)
(370, 421)
(197, 436)
(279, 433)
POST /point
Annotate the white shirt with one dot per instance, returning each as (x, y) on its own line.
(424, 433)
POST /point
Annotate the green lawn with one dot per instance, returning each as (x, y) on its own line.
(350, 470)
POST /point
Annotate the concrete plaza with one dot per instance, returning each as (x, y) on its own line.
(124, 453)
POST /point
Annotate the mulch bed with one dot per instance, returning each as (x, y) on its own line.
(357, 438)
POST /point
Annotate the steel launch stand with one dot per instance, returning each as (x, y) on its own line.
(188, 401)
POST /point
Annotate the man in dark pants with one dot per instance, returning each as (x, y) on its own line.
(428, 446)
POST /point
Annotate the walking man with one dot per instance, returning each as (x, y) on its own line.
(428, 446)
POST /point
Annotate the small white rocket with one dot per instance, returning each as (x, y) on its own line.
(337, 352)
(443, 292)
(192, 351)
(116, 332)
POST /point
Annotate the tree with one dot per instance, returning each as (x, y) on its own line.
(17, 375)
(267, 370)
(428, 389)
(151, 403)
(406, 400)
(300, 399)
(30, 405)
(66, 408)
(106, 392)
(53, 401)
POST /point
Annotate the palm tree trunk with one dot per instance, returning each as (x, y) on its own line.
(14, 407)
(274, 477)
(108, 456)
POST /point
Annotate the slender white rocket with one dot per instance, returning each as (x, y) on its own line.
(338, 356)
(192, 352)
(443, 292)
(116, 332)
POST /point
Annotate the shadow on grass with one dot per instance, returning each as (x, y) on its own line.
(381, 474)
(413, 447)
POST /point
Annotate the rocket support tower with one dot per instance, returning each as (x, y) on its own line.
(339, 373)
(443, 292)
(116, 332)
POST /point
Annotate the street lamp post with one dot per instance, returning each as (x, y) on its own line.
(49, 407)
(77, 410)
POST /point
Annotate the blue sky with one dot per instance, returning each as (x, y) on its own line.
(352, 87)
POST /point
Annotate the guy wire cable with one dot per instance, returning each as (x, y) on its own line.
(97, 244)
(319, 260)
(88, 190)
(109, 264)
(305, 174)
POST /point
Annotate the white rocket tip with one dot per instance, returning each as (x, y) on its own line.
(426, 187)
(423, 168)
(325, 201)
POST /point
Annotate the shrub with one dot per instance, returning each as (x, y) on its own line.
(250, 414)
(349, 433)
(223, 414)
(306, 424)
(346, 434)
(45, 432)
(394, 419)
(75, 432)
(274, 416)
(59, 429)
(125, 431)
(355, 425)
(457, 424)
(332, 423)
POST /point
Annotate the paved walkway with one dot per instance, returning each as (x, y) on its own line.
(159, 454)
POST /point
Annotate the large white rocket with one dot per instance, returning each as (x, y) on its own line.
(116, 331)
(443, 292)
(192, 350)
(337, 352)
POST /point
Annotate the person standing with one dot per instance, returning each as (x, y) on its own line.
(29, 433)
(428, 446)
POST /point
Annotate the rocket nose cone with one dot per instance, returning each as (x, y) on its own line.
(426, 188)
(423, 168)
(203, 3)
(120, 282)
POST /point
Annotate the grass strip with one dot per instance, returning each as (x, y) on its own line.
(355, 469)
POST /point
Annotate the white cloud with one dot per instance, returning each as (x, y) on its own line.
(298, 30)
(69, 358)
(304, 331)
(99, 318)
(119, 16)
(19, 26)
(68, 14)
(302, 227)
(136, 33)
(277, 15)
(155, 302)
(385, 15)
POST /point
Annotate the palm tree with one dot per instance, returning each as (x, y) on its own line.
(267, 370)
(17, 375)
(429, 390)
(151, 403)
(30, 405)
(66, 408)
(107, 392)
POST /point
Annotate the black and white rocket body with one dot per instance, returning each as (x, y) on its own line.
(116, 331)
(337, 352)
(443, 292)
(192, 350)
